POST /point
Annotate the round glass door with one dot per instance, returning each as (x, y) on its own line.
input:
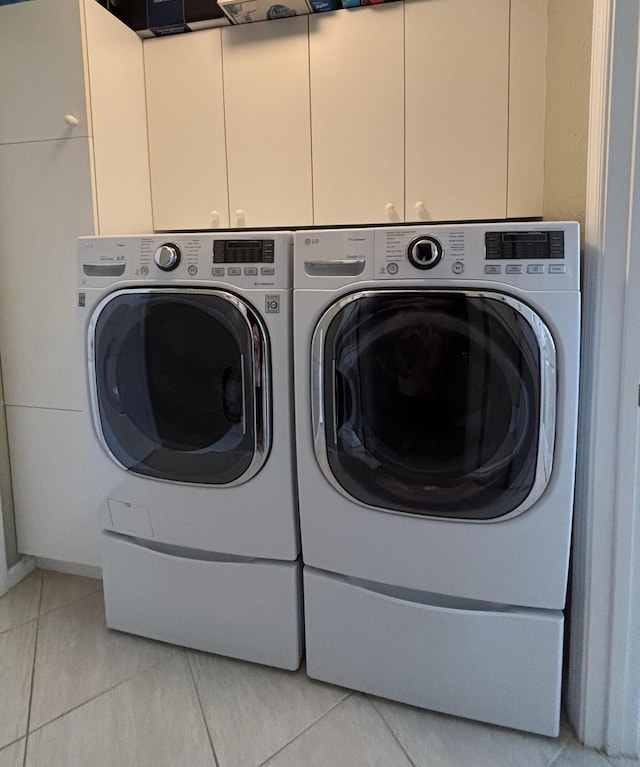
(179, 384)
(437, 403)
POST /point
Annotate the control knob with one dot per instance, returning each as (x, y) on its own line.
(167, 256)
(424, 252)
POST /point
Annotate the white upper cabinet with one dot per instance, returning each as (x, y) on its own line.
(42, 84)
(55, 190)
(119, 123)
(266, 95)
(229, 135)
(46, 202)
(457, 87)
(185, 110)
(423, 110)
(357, 114)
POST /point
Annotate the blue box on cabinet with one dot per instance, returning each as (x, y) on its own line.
(156, 18)
(319, 6)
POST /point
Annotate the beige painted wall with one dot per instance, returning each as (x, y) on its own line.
(567, 109)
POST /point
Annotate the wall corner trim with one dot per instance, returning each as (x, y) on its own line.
(603, 694)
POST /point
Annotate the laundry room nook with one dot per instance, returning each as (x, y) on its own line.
(310, 457)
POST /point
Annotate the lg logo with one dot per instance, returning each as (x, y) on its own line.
(311, 240)
(272, 304)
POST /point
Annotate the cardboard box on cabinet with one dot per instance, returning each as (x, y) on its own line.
(155, 18)
(247, 11)
(358, 3)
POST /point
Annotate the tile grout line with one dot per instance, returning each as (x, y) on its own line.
(631, 761)
(13, 742)
(388, 726)
(72, 602)
(98, 695)
(204, 718)
(28, 620)
(17, 626)
(563, 742)
(565, 747)
(559, 754)
(48, 612)
(33, 672)
(609, 759)
(306, 729)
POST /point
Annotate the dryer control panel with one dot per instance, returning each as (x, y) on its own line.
(528, 255)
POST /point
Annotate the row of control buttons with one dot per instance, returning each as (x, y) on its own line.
(249, 271)
(457, 267)
(557, 246)
(192, 269)
(519, 269)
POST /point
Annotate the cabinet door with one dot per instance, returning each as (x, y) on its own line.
(42, 70)
(56, 512)
(357, 114)
(457, 67)
(185, 111)
(121, 156)
(45, 204)
(266, 92)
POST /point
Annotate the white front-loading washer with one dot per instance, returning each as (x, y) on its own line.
(187, 341)
(436, 377)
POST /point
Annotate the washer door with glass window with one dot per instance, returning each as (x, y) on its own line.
(435, 403)
(180, 384)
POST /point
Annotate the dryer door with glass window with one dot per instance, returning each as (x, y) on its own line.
(180, 384)
(435, 403)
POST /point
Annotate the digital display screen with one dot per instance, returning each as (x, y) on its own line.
(525, 237)
(243, 251)
(244, 244)
(524, 246)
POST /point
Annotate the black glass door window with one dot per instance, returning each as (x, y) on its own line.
(431, 402)
(179, 384)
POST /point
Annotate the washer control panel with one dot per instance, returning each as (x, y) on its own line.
(245, 260)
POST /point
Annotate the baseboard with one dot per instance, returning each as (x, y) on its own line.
(16, 573)
(72, 568)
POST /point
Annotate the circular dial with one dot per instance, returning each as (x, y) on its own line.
(424, 252)
(167, 256)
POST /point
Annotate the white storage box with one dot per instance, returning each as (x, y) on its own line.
(248, 609)
(501, 666)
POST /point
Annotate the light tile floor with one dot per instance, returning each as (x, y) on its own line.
(75, 694)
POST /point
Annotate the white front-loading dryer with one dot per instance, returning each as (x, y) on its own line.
(187, 344)
(436, 373)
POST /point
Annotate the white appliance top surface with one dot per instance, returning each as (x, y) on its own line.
(248, 260)
(531, 256)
